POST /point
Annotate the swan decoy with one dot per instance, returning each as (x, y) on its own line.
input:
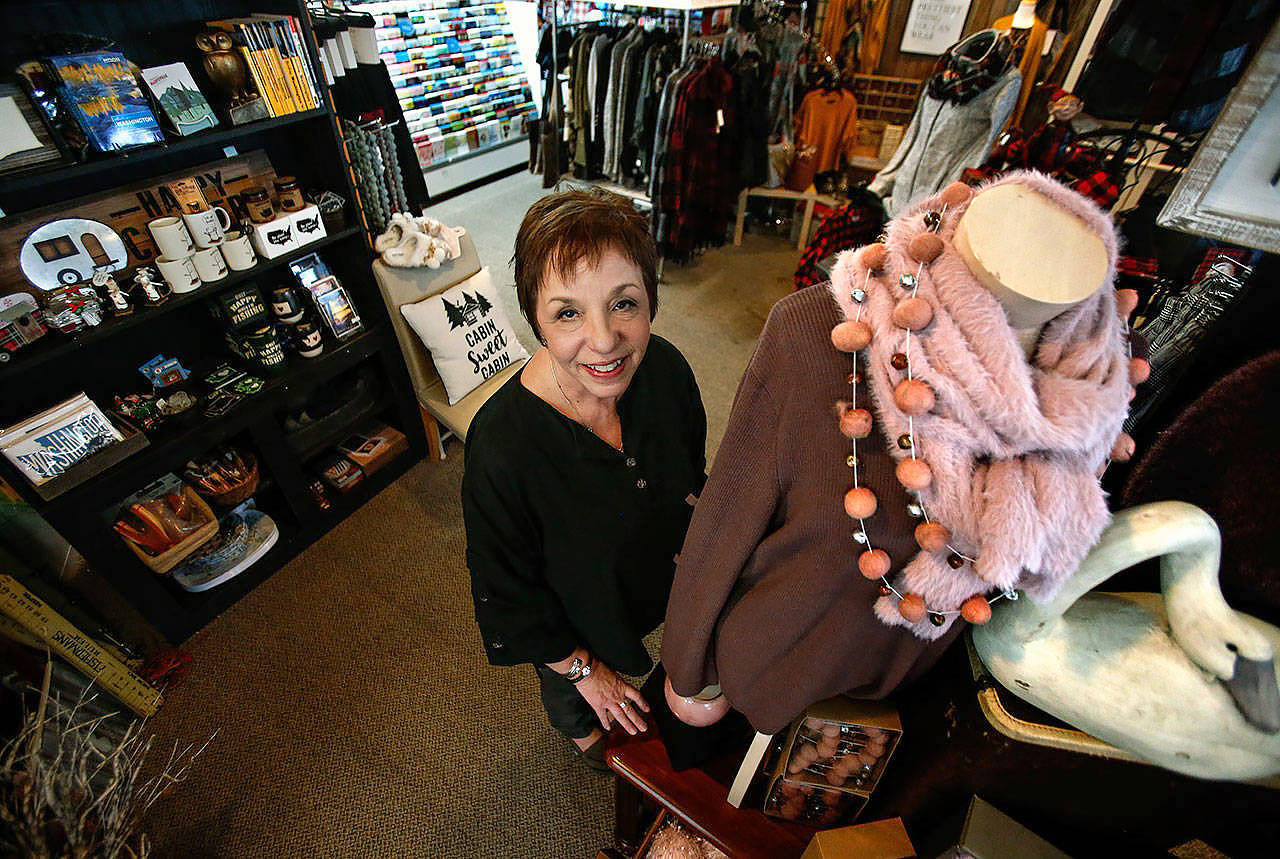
(1179, 679)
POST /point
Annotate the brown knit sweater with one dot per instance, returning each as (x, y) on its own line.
(768, 601)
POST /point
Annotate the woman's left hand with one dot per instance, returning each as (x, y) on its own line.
(613, 699)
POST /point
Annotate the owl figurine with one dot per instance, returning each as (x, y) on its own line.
(224, 65)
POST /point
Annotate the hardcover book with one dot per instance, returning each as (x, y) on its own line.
(100, 92)
(180, 100)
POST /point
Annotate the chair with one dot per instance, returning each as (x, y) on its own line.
(400, 286)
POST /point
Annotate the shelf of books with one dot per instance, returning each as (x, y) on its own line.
(455, 67)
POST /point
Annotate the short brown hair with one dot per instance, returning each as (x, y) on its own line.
(564, 228)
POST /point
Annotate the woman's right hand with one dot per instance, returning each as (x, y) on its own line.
(613, 698)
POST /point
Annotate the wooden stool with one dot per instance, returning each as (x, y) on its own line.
(699, 800)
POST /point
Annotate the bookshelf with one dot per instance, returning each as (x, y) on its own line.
(103, 360)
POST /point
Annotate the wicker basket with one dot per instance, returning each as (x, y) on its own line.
(242, 490)
(166, 561)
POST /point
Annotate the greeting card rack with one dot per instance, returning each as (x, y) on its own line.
(104, 360)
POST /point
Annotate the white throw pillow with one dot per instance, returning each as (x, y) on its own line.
(467, 333)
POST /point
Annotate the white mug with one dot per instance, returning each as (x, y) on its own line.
(171, 237)
(210, 264)
(239, 251)
(180, 274)
(208, 227)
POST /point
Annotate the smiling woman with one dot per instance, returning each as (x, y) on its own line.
(579, 469)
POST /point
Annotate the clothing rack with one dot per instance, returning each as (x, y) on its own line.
(685, 6)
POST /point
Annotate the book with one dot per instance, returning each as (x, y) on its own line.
(298, 67)
(98, 89)
(47, 444)
(180, 100)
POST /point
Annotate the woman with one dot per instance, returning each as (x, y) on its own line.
(581, 468)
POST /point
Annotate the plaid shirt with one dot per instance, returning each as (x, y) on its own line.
(697, 193)
(855, 225)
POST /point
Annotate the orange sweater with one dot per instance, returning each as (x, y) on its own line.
(828, 121)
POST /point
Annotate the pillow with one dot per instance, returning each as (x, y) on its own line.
(467, 333)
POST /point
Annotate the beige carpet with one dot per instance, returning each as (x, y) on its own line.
(356, 714)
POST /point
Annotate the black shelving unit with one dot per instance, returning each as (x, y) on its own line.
(103, 360)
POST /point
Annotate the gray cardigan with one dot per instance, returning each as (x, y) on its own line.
(942, 140)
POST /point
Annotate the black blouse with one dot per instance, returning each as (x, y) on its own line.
(569, 541)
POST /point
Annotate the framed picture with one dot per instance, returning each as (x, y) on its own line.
(25, 140)
(1231, 189)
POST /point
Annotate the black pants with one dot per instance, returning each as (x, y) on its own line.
(567, 711)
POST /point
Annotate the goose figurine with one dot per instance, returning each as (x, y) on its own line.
(1178, 679)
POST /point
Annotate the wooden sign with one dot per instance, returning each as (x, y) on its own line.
(129, 209)
(933, 26)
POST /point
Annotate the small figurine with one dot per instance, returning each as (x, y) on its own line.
(144, 279)
(120, 305)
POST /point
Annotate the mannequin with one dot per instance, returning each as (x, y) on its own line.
(772, 600)
(968, 100)
(1028, 33)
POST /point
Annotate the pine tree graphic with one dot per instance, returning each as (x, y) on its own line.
(455, 314)
(483, 304)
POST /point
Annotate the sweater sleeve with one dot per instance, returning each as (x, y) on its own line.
(732, 515)
(520, 618)
(882, 183)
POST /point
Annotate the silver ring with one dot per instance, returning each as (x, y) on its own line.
(622, 705)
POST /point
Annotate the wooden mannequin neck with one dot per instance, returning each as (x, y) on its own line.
(1037, 259)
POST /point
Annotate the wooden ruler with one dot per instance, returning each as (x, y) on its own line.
(32, 613)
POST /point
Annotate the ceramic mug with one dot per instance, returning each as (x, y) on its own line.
(209, 227)
(180, 273)
(239, 251)
(210, 264)
(286, 304)
(171, 237)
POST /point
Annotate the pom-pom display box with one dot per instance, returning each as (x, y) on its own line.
(831, 760)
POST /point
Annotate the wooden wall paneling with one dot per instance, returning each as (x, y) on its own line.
(897, 64)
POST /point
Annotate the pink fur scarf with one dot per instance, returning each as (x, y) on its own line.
(1015, 447)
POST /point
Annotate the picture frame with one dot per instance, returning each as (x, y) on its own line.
(15, 104)
(1231, 189)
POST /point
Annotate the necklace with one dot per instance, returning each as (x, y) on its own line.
(583, 421)
(914, 398)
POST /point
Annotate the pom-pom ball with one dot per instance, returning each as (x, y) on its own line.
(912, 314)
(914, 474)
(925, 247)
(932, 537)
(851, 336)
(860, 503)
(956, 193)
(1139, 371)
(1126, 301)
(912, 608)
(873, 564)
(913, 396)
(976, 610)
(873, 256)
(855, 423)
(1124, 447)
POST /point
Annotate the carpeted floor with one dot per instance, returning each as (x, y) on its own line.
(355, 712)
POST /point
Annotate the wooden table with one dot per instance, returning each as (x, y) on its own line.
(810, 198)
(645, 779)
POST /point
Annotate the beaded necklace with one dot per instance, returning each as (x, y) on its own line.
(913, 397)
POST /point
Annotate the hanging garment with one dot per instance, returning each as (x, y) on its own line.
(828, 121)
(943, 139)
(855, 225)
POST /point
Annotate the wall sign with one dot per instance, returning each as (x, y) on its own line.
(933, 26)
